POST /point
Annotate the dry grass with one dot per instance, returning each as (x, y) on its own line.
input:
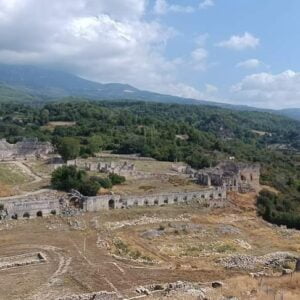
(52, 125)
(155, 186)
(12, 175)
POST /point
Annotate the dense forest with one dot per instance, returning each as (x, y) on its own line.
(198, 135)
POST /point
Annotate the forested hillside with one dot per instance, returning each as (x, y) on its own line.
(198, 135)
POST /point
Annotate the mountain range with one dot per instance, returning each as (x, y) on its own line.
(36, 84)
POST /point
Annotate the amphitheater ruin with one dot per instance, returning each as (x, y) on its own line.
(25, 149)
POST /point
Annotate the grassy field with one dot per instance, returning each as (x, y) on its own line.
(52, 125)
(12, 175)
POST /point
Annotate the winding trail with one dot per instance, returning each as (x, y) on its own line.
(28, 171)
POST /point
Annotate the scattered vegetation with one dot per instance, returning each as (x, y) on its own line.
(66, 178)
(152, 129)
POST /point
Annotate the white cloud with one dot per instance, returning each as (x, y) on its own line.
(162, 7)
(201, 39)
(106, 41)
(209, 91)
(242, 42)
(206, 4)
(199, 59)
(250, 64)
(269, 90)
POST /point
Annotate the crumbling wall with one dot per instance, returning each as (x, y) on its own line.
(121, 168)
(39, 204)
(28, 148)
(239, 177)
(211, 197)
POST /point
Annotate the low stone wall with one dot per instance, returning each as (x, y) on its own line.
(212, 197)
(39, 204)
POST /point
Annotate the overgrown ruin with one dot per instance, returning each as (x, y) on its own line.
(25, 149)
(238, 177)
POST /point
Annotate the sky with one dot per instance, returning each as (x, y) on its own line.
(243, 52)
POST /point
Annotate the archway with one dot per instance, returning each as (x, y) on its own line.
(26, 215)
(14, 217)
(111, 204)
(156, 202)
(39, 214)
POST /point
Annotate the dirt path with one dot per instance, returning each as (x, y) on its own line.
(26, 194)
(28, 171)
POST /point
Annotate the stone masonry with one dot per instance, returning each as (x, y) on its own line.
(238, 177)
(27, 148)
(210, 197)
(38, 204)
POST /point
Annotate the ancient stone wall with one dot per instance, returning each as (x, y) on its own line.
(28, 148)
(39, 204)
(239, 177)
(47, 202)
(123, 168)
(211, 197)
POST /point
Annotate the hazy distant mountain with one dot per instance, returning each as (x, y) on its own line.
(30, 83)
(293, 113)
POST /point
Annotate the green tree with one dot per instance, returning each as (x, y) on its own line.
(44, 116)
(89, 187)
(95, 143)
(66, 178)
(68, 148)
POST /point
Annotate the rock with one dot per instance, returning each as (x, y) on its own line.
(248, 262)
(287, 271)
(217, 284)
(143, 290)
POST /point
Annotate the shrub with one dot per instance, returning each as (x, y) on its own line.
(66, 178)
(116, 179)
(103, 182)
(89, 187)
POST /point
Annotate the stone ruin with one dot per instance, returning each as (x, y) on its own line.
(238, 177)
(42, 203)
(50, 202)
(22, 260)
(121, 168)
(94, 296)
(209, 197)
(27, 148)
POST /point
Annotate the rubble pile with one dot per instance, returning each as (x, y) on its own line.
(248, 262)
(201, 291)
(145, 221)
(77, 224)
(93, 296)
